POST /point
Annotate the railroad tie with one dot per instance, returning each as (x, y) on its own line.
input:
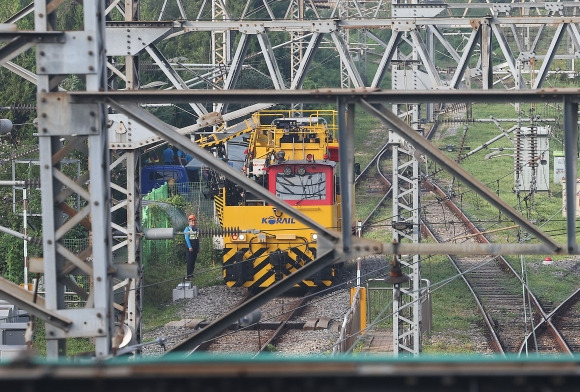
(323, 323)
(316, 324)
(193, 323)
(187, 323)
(310, 325)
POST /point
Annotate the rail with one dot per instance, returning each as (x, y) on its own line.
(533, 301)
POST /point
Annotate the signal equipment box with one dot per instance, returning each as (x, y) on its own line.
(532, 159)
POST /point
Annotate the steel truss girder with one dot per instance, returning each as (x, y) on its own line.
(306, 61)
(491, 27)
(271, 61)
(50, 154)
(172, 75)
(551, 53)
(26, 300)
(346, 59)
(128, 239)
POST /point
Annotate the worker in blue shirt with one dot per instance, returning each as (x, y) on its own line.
(168, 156)
(192, 244)
(183, 158)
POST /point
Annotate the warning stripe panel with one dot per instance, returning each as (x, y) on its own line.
(263, 268)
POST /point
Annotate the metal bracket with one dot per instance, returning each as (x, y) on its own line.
(78, 53)
(56, 109)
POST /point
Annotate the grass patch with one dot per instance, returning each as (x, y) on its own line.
(551, 283)
(454, 311)
(74, 346)
(161, 278)
(452, 303)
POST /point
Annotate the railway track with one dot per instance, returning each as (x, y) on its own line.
(261, 330)
(562, 324)
(494, 291)
(286, 325)
(509, 316)
(513, 317)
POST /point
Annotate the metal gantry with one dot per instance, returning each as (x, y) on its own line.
(455, 48)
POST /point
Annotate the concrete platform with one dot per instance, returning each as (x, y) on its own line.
(378, 342)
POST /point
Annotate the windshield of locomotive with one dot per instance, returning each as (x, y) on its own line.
(310, 186)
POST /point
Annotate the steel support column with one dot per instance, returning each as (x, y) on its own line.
(406, 207)
(62, 130)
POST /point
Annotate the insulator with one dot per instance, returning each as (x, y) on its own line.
(5, 126)
(249, 319)
(19, 108)
(22, 108)
(24, 153)
(160, 234)
(533, 146)
(231, 231)
(210, 231)
(35, 241)
(518, 154)
(33, 183)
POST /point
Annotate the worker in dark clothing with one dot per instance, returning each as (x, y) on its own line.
(192, 244)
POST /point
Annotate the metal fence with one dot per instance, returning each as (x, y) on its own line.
(380, 304)
(166, 215)
(192, 192)
(71, 299)
(351, 325)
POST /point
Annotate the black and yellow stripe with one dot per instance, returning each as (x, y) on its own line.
(266, 265)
